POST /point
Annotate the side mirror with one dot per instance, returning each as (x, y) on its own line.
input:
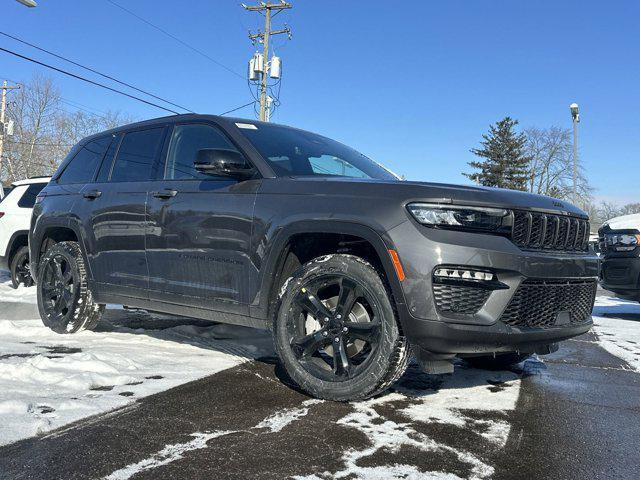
(219, 161)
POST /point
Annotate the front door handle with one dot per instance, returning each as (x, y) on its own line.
(166, 193)
(92, 194)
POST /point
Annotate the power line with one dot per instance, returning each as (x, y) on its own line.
(182, 42)
(92, 70)
(85, 108)
(97, 84)
(238, 108)
(78, 105)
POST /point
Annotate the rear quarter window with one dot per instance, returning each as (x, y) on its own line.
(82, 167)
(28, 199)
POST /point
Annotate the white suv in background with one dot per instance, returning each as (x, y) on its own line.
(15, 219)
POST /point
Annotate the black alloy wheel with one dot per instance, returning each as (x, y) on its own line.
(65, 301)
(336, 331)
(334, 327)
(59, 287)
(20, 273)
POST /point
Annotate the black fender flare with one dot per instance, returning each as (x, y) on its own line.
(381, 243)
(37, 235)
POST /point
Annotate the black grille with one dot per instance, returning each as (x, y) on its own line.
(537, 303)
(459, 298)
(543, 231)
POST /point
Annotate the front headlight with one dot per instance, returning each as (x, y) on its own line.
(483, 219)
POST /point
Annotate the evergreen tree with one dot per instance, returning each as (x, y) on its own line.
(505, 163)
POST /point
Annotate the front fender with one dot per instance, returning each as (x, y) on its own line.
(270, 260)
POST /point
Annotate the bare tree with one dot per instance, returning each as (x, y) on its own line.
(44, 131)
(551, 165)
(33, 110)
(630, 208)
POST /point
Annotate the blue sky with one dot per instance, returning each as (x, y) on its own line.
(411, 84)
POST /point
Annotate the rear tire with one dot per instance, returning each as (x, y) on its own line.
(336, 331)
(20, 274)
(501, 361)
(65, 302)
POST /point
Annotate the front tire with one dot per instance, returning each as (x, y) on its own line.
(20, 274)
(336, 331)
(65, 302)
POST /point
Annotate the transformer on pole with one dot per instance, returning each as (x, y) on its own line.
(260, 68)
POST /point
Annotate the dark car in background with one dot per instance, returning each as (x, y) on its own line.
(274, 227)
(620, 254)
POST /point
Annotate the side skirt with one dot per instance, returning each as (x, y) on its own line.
(181, 310)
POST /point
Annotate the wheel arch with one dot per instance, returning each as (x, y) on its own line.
(49, 234)
(19, 238)
(348, 237)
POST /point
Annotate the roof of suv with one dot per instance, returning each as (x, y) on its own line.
(174, 119)
(29, 181)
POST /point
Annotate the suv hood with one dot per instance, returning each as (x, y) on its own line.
(427, 192)
(626, 222)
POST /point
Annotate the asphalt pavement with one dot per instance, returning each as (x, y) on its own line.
(574, 415)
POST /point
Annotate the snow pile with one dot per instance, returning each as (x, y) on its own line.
(49, 380)
(617, 324)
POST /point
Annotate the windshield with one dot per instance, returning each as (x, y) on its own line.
(295, 152)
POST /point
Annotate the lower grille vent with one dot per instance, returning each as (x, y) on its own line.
(537, 303)
(459, 298)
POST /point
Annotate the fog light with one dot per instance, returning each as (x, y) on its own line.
(463, 274)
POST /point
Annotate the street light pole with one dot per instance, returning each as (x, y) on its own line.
(575, 116)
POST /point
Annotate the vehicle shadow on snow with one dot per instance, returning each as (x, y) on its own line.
(235, 340)
(257, 345)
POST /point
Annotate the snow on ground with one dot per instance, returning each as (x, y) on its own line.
(48, 380)
(391, 423)
(421, 400)
(617, 324)
(9, 295)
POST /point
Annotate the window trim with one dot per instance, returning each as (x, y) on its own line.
(219, 129)
(115, 137)
(156, 160)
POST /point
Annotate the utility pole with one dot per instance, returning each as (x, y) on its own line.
(3, 125)
(263, 37)
(575, 116)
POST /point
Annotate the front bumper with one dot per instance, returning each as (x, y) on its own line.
(422, 249)
(454, 338)
(621, 275)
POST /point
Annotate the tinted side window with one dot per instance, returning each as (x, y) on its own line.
(83, 166)
(137, 155)
(183, 149)
(28, 199)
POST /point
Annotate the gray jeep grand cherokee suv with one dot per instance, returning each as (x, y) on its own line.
(264, 225)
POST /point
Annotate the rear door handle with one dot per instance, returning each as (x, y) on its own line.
(92, 194)
(166, 193)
